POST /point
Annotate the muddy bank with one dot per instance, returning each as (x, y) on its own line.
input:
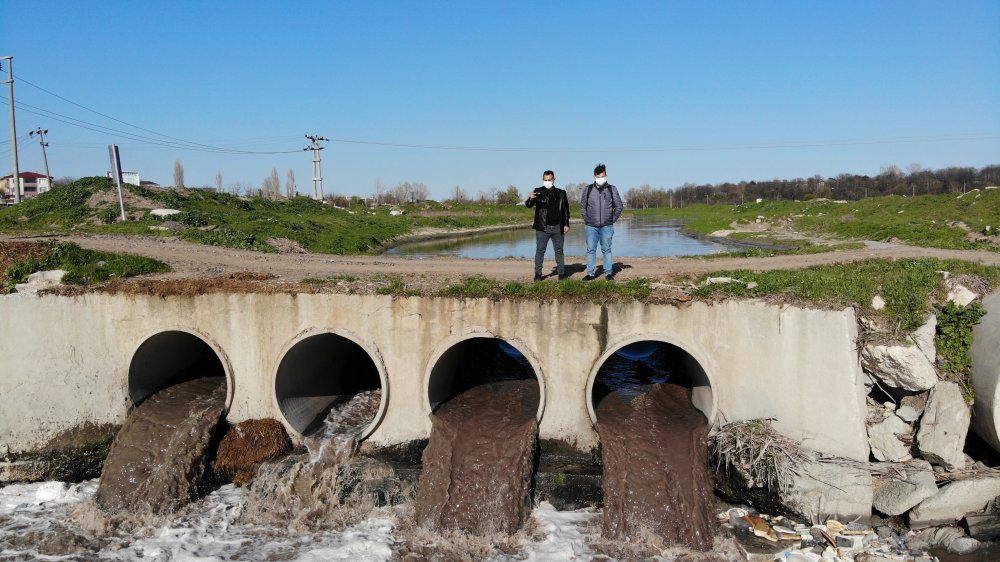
(478, 463)
(159, 455)
(654, 444)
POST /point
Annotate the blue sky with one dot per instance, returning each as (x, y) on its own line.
(662, 92)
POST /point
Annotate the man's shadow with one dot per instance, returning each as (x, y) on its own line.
(573, 268)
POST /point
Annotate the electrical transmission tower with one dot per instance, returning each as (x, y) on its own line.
(317, 171)
(41, 140)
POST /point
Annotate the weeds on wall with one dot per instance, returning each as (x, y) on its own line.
(82, 267)
(954, 340)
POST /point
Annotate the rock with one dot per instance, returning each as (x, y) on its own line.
(885, 444)
(720, 280)
(908, 414)
(163, 212)
(924, 338)
(41, 280)
(954, 501)
(836, 491)
(944, 426)
(898, 366)
(960, 294)
(878, 303)
(983, 526)
(895, 496)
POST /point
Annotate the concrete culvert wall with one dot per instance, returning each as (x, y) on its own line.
(319, 373)
(170, 358)
(476, 361)
(646, 362)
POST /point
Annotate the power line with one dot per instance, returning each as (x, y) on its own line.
(683, 148)
(42, 112)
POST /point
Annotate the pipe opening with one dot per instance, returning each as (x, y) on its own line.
(474, 362)
(170, 358)
(318, 374)
(651, 362)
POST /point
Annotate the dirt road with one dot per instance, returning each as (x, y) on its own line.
(194, 260)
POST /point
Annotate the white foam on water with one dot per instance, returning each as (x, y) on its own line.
(565, 539)
(208, 531)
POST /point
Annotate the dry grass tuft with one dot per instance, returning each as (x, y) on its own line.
(753, 447)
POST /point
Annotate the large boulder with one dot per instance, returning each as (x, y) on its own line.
(841, 492)
(944, 426)
(953, 501)
(894, 495)
(883, 439)
(899, 366)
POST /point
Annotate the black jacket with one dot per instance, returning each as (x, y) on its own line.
(552, 200)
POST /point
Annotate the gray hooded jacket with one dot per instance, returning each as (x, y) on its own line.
(600, 206)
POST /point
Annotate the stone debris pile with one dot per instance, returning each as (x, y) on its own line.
(786, 539)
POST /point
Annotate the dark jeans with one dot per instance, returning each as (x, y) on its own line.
(555, 232)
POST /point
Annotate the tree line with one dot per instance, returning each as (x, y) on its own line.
(891, 180)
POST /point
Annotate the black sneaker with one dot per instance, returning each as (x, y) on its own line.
(609, 277)
(589, 277)
(563, 276)
(538, 278)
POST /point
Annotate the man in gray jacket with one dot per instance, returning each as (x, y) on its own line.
(600, 207)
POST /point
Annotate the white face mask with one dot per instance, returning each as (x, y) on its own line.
(601, 181)
(548, 183)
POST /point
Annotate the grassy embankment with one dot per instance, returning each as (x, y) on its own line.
(90, 205)
(82, 267)
(938, 221)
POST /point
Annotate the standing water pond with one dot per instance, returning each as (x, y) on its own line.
(634, 237)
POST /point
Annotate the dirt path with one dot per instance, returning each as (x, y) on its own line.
(194, 260)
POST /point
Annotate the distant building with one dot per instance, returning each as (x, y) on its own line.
(31, 184)
(130, 177)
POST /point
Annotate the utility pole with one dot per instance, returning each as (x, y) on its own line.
(317, 171)
(13, 127)
(41, 140)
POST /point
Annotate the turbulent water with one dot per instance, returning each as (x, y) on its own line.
(158, 457)
(325, 488)
(477, 466)
(656, 477)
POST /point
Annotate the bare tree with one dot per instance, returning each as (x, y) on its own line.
(458, 195)
(290, 184)
(178, 174)
(379, 191)
(218, 182)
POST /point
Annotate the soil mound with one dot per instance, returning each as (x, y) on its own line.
(246, 445)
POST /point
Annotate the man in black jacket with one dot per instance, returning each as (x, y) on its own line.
(551, 222)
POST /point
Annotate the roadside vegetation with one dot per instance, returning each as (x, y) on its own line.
(911, 288)
(90, 205)
(83, 267)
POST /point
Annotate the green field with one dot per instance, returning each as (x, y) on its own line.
(90, 205)
(938, 221)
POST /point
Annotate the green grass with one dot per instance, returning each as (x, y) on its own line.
(482, 287)
(910, 287)
(925, 220)
(222, 219)
(83, 267)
